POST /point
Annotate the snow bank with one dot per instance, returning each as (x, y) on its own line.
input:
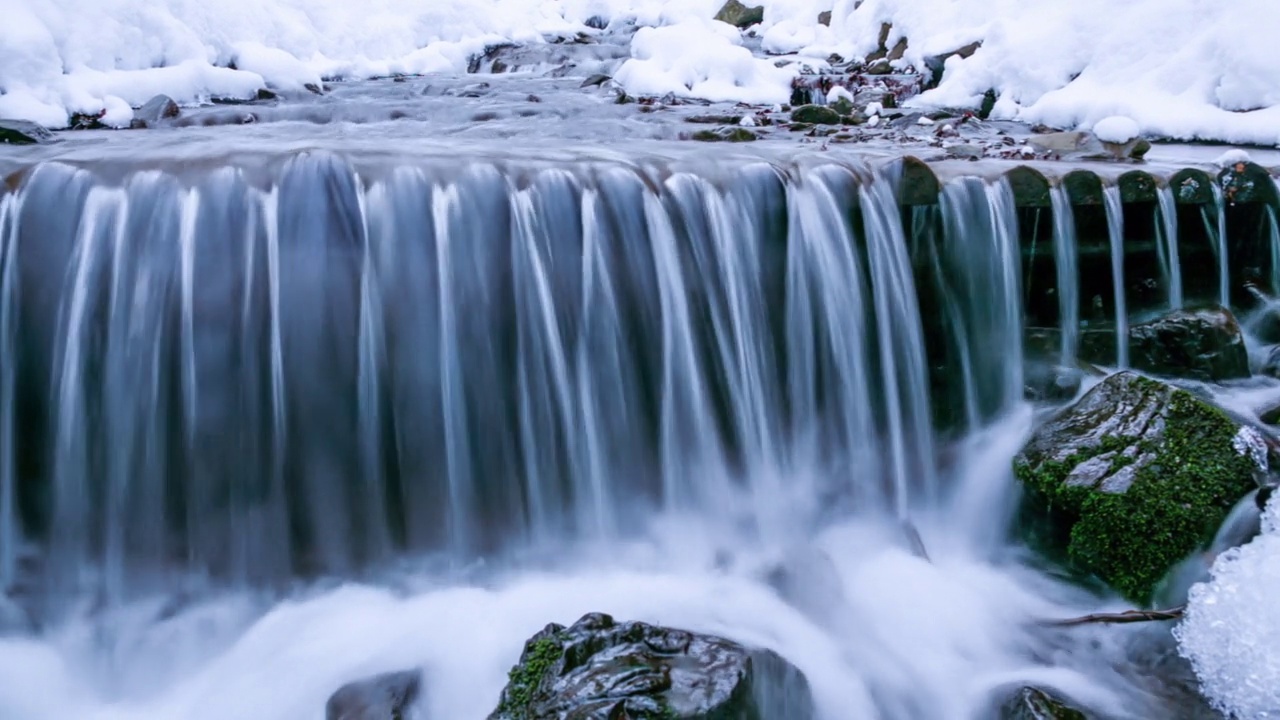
(1177, 68)
(1231, 632)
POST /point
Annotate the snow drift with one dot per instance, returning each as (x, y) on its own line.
(1179, 68)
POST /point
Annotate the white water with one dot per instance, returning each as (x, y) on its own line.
(1168, 229)
(1064, 258)
(1219, 234)
(1115, 231)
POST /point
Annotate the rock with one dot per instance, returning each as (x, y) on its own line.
(155, 112)
(384, 697)
(815, 115)
(1271, 365)
(595, 80)
(824, 18)
(964, 152)
(879, 67)
(725, 134)
(1052, 383)
(739, 15)
(1132, 478)
(21, 132)
(988, 104)
(712, 119)
(1077, 144)
(601, 670)
(1203, 344)
(1030, 703)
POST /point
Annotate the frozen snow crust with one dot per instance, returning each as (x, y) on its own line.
(1231, 632)
(1178, 68)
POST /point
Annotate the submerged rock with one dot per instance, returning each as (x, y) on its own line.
(1030, 703)
(1203, 344)
(739, 15)
(384, 697)
(155, 112)
(725, 134)
(21, 132)
(1132, 478)
(815, 115)
(601, 670)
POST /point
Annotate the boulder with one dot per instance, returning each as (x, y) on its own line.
(1202, 344)
(725, 134)
(598, 669)
(1051, 383)
(384, 697)
(21, 132)
(155, 112)
(739, 15)
(815, 115)
(1029, 703)
(1133, 477)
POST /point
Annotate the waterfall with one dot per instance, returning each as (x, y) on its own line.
(981, 235)
(1219, 234)
(1168, 228)
(1115, 231)
(1068, 274)
(314, 368)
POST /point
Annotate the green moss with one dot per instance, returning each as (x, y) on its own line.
(524, 679)
(1176, 503)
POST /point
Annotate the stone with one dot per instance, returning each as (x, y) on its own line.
(1135, 475)
(598, 669)
(879, 67)
(1271, 365)
(725, 134)
(1201, 344)
(155, 112)
(824, 18)
(384, 697)
(1052, 383)
(739, 15)
(595, 80)
(815, 115)
(1074, 145)
(1029, 703)
(21, 132)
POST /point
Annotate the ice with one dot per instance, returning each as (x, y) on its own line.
(1116, 129)
(1231, 631)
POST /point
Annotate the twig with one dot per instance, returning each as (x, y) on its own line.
(1128, 616)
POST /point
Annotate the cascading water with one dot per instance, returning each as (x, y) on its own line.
(1115, 232)
(1068, 275)
(1218, 231)
(1168, 228)
(504, 394)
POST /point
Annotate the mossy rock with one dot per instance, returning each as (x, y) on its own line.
(739, 15)
(1030, 703)
(597, 669)
(1132, 478)
(815, 115)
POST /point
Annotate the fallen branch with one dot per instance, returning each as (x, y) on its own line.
(1128, 616)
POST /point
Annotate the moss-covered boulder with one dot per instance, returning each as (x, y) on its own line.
(1131, 478)
(739, 15)
(598, 669)
(815, 115)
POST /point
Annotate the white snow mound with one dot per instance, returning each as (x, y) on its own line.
(1116, 129)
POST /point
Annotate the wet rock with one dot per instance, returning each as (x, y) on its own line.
(1052, 383)
(384, 697)
(155, 112)
(263, 95)
(1135, 149)
(879, 67)
(1030, 703)
(598, 669)
(739, 15)
(815, 115)
(713, 119)
(725, 134)
(1131, 478)
(1203, 344)
(595, 80)
(21, 132)
(1271, 365)
(936, 64)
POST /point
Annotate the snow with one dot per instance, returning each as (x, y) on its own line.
(1233, 157)
(1175, 68)
(1116, 129)
(838, 93)
(1231, 631)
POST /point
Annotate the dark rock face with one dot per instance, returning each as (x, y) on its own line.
(815, 115)
(384, 697)
(1204, 344)
(601, 670)
(739, 15)
(1132, 478)
(1030, 703)
(725, 134)
(21, 132)
(1052, 383)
